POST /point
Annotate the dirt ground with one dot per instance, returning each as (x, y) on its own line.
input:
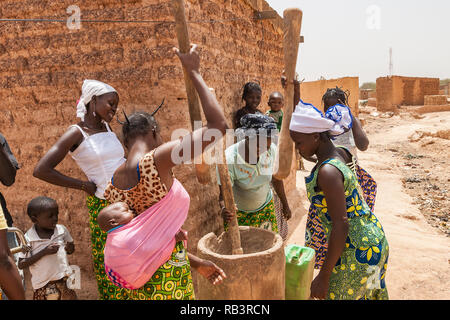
(408, 157)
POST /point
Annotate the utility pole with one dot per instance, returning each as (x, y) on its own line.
(391, 63)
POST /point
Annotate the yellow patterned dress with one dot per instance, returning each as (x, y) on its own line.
(173, 279)
(361, 269)
(106, 289)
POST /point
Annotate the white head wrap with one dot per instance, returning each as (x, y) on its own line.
(89, 89)
(308, 119)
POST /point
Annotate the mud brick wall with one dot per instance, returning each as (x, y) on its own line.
(313, 91)
(396, 91)
(435, 100)
(364, 94)
(42, 66)
(445, 89)
(372, 102)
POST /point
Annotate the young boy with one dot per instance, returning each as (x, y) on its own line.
(276, 103)
(50, 243)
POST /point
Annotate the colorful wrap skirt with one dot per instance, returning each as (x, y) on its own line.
(315, 236)
(106, 289)
(55, 290)
(264, 218)
(172, 281)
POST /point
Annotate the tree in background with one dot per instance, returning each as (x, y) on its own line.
(369, 85)
(444, 82)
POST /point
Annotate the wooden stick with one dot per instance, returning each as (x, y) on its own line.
(292, 26)
(202, 169)
(227, 193)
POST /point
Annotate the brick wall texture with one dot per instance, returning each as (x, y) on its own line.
(42, 66)
(435, 100)
(312, 91)
(397, 91)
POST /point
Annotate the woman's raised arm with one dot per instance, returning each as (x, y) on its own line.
(215, 118)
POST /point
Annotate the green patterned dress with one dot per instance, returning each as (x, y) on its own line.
(360, 271)
(172, 281)
(264, 218)
(252, 188)
(106, 289)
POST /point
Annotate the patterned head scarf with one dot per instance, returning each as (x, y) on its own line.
(89, 89)
(256, 124)
(308, 119)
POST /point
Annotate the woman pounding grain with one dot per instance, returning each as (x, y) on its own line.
(250, 165)
(146, 184)
(98, 152)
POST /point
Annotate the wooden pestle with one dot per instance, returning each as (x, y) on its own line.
(202, 169)
(292, 25)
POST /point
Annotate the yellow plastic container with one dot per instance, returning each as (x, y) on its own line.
(299, 271)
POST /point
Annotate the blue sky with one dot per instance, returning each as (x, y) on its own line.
(353, 37)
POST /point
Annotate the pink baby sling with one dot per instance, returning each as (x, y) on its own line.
(136, 250)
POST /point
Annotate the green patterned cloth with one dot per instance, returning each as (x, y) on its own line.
(277, 116)
(360, 271)
(106, 289)
(172, 281)
(264, 218)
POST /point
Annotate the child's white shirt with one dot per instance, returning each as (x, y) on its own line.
(50, 267)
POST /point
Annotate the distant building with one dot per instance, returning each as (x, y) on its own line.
(404, 91)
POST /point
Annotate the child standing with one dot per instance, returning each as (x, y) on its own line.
(276, 103)
(50, 243)
(252, 97)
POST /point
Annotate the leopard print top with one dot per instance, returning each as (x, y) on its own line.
(148, 191)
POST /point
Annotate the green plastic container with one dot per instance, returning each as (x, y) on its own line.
(299, 271)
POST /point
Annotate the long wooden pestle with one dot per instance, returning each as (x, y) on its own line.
(202, 169)
(227, 193)
(292, 26)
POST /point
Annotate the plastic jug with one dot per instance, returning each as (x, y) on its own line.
(299, 271)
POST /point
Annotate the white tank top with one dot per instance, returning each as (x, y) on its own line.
(99, 155)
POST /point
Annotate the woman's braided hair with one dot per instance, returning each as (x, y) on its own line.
(139, 123)
(341, 95)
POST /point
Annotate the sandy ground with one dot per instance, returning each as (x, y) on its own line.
(412, 200)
